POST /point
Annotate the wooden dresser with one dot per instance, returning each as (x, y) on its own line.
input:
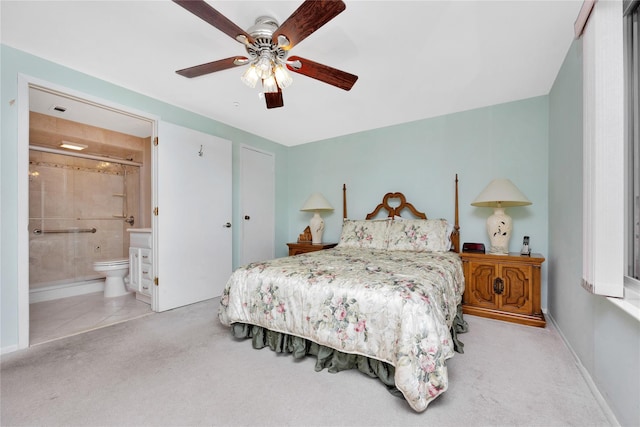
(303, 247)
(503, 287)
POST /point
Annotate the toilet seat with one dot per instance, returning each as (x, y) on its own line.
(112, 262)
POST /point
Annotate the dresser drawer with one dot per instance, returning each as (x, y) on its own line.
(146, 272)
(146, 256)
(145, 286)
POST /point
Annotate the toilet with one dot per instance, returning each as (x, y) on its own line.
(115, 270)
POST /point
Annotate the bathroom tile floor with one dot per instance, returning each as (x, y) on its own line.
(50, 320)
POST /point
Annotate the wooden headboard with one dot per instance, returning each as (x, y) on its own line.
(395, 211)
(401, 202)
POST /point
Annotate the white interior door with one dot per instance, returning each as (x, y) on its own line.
(257, 193)
(192, 234)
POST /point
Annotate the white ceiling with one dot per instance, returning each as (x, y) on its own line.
(70, 108)
(414, 59)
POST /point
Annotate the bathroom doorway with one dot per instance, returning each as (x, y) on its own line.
(184, 159)
(81, 203)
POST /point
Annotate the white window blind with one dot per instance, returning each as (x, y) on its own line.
(603, 150)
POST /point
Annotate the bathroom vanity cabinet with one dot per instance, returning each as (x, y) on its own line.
(141, 263)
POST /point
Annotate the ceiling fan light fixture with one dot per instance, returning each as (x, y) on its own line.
(267, 45)
(250, 77)
(269, 85)
(283, 77)
(264, 66)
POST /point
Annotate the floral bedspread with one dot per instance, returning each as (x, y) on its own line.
(394, 306)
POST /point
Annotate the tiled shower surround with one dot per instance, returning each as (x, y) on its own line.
(67, 193)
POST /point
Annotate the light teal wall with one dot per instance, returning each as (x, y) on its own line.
(605, 339)
(535, 142)
(420, 159)
(14, 62)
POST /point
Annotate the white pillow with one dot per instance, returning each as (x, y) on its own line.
(361, 233)
(450, 228)
(421, 235)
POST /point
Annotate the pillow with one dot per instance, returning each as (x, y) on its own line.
(450, 228)
(361, 233)
(420, 235)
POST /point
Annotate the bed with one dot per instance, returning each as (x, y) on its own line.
(386, 300)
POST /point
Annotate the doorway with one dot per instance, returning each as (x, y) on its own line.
(64, 197)
(187, 220)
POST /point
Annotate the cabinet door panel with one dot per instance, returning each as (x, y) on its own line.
(481, 290)
(517, 290)
(134, 269)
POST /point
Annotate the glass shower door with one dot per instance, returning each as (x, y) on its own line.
(77, 209)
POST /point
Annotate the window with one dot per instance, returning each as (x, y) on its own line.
(611, 151)
(603, 249)
(632, 139)
(632, 106)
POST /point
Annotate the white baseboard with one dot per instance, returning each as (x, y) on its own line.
(50, 293)
(8, 349)
(587, 377)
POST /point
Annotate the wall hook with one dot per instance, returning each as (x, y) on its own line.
(201, 152)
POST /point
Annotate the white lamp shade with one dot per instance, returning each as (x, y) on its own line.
(269, 85)
(250, 77)
(283, 78)
(316, 202)
(501, 192)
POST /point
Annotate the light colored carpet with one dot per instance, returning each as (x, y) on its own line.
(183, 368)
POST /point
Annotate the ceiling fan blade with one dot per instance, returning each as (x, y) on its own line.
(324, 73)
(208, 14)
(274, 99)
(311, 15)
(212, 67)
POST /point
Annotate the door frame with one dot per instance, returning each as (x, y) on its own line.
(24, 83)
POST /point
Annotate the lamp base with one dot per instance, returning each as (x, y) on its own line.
(499, 226)
(317, 228)
(498, 250)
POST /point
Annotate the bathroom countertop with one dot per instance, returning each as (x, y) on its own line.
(139, 230)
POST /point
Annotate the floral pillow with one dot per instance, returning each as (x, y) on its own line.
(360, 233)
(421, 235)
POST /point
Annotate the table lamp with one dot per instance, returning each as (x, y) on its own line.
(499, 194)
(316, 203)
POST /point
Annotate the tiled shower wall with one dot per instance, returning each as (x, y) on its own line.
(70, 193)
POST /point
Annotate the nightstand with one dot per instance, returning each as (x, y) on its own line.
(503, 287)
(304, 247)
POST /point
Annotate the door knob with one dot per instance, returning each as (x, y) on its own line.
(247, 217)
(227, 225)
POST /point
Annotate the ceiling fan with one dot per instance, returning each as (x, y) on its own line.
(268, 44)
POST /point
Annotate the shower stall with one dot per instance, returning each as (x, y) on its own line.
(79, 211)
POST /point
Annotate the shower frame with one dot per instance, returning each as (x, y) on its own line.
(79, 283)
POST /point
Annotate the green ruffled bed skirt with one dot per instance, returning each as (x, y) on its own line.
(334, 360)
